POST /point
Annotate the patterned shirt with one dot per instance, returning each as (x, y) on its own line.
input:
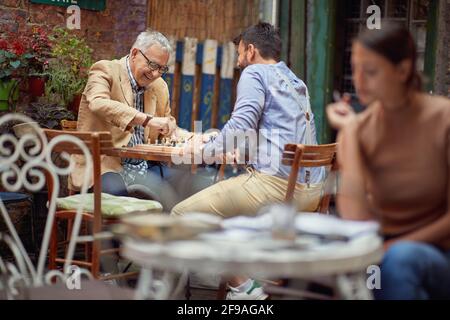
(134, 167)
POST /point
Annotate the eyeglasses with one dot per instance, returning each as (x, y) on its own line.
(154, 66)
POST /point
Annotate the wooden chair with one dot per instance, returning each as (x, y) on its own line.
(69, 125)
(300, 156)
(309, 156)
(98, 143)
(135, 191)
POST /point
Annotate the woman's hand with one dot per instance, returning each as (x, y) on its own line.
(340, 113)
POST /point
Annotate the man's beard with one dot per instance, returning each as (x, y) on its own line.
(244, 64)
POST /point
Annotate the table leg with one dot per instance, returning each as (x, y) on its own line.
(353, 286)
(150, 288)
(144, 284)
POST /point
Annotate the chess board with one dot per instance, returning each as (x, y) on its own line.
(160, 151)
(163, 149)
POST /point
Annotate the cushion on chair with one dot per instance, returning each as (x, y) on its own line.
(112, 206)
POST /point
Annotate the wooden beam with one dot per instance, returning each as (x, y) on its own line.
(320, 62)
(297, 49)
(431, 44)
(285, 24)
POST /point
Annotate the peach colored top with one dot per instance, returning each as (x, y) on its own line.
(407, 156)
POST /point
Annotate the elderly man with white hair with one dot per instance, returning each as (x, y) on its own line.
(128, 98)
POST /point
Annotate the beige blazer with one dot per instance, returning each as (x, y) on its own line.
(107, 104)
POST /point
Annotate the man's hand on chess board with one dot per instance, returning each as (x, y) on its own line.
(163, 147)
(210, 136)
(170, 142)
(192, 144)
(164, 125)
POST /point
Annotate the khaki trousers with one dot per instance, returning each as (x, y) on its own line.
(246, 194)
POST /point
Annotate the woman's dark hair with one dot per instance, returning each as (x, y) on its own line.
(394, 42)
(264, 37)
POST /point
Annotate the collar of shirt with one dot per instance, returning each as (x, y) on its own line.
(134, 85)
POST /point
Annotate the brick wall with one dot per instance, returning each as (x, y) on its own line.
(110, 33)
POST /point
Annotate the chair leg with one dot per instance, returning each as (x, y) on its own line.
(95, 268)
(68, 233)
(95, 259)
(221, 293)
(53, 246)
(87, 245)
(95, 253)
(188, 289)
(69, 228)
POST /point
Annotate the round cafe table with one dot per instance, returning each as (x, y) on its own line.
(258, 256)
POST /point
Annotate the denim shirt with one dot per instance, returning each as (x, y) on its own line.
(266, 108)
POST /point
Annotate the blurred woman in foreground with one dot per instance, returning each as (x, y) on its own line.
(394, 159)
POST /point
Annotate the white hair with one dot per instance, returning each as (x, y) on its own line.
(148, 38)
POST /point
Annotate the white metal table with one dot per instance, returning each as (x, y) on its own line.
(259, 256)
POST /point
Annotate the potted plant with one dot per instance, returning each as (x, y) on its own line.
(71, 59)
(40, 52)
(48, 115)
(13, 62)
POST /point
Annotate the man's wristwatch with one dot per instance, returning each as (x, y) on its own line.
(147, 120)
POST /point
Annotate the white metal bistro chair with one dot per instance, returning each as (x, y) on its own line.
(30, 147)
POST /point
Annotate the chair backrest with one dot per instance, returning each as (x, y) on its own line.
(69, 125)
(300, 156)
(21, 170)
(98, 144)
